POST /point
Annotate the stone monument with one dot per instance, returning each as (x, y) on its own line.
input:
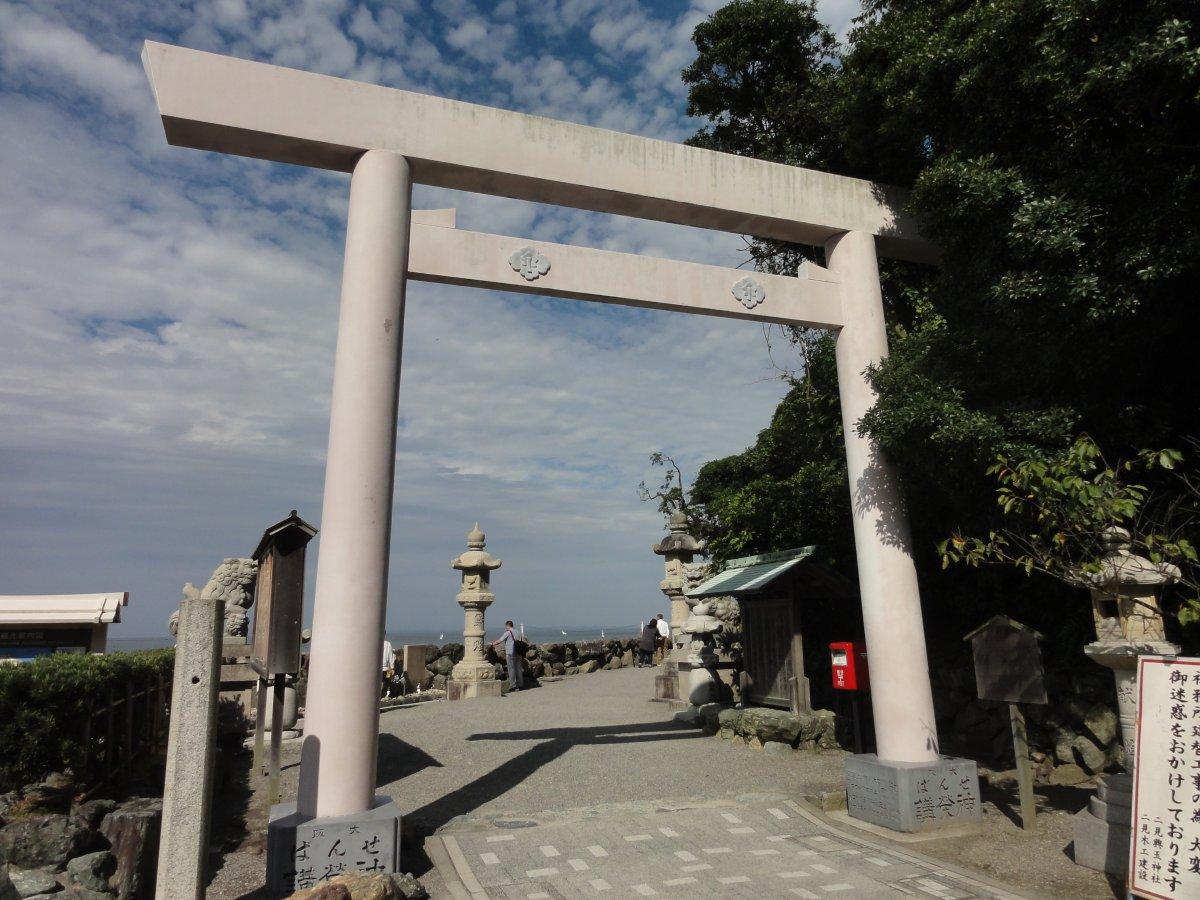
(677, 549)
(474, 676)
(1129, 624)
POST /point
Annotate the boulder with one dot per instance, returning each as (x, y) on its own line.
(53, 795)
(558, 668)
(30, 883)
(708, 717)
(439, 682)
(409, 887)
(8, 801)
(727, 722)
(1069, 774)
(590, 666)
(132, 831)
(453, 651)
(45, 841)
(1102, 724)
(364, 886)
(94, 811)
(92, 870)
(75, 892)
(7, 891)
(443, 665)
(627, 658)
(769, 725)
(614, 663)
(1063, 739)
(777, 748)
(1089, 755)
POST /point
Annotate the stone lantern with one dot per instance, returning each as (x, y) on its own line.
(1125, 607)
(677, 549)
(474, 676)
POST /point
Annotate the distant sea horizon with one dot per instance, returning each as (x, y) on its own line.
(398, 638)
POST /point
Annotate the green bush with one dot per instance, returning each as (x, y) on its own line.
(44, 707)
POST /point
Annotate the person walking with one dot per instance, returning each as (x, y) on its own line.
(664, 635)
(515, 661)
(646, 644)
(389, 668)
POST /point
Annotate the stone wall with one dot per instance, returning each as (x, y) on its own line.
(541, 660)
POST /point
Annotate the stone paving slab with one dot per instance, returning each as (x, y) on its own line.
(757, 846)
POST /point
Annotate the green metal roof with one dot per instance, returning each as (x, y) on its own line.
(750, 574)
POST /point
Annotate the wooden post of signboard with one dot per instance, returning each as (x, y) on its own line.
(1008, 668)
(276, 738)
(260, 721)
(1024, 766)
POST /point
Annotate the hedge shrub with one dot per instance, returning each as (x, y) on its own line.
(44, 705)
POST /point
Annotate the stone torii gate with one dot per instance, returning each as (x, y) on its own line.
(388, 139)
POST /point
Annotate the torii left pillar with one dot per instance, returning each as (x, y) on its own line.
(336, 801)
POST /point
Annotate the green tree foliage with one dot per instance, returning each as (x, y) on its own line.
(1053, 147)
(43, 705)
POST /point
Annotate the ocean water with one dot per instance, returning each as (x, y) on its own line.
(452, 634)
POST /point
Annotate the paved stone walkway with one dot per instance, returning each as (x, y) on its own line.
(756, 846)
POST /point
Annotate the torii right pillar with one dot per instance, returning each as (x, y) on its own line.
(907, 785)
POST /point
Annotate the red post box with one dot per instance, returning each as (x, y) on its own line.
(849, 660)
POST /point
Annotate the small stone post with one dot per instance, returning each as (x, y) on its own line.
(1129, 624)
(474, 676)
(187, 791)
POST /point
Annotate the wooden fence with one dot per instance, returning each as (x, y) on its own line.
(126, 727)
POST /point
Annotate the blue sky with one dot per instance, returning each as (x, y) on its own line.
(169, 315)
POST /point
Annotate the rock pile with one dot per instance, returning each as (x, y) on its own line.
(541, 661)
(53, 845)
(1073, 738)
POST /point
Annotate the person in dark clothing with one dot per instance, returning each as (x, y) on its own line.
(646, 644)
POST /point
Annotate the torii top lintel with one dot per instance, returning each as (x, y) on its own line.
(213, 102)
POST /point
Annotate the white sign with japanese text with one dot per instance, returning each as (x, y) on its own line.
(1165, 841)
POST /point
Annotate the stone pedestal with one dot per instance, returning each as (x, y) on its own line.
(474, 676)
(468, 690)
(1102, 828)
(912, 796)
(666, 684)
(303, 851)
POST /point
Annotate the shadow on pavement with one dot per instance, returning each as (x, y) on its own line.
(555, 742)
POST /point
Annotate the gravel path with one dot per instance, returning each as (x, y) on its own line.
(596, 739)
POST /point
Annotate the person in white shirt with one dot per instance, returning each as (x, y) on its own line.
(664, 635)
(389, 666)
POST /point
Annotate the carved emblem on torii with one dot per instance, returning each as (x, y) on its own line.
(749, 292)
(529, 264)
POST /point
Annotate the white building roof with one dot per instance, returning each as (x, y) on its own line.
(62, 609)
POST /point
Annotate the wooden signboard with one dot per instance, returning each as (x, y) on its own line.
(279, 596)
(1164, 853)
(1008, 669)
(1008, 662)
